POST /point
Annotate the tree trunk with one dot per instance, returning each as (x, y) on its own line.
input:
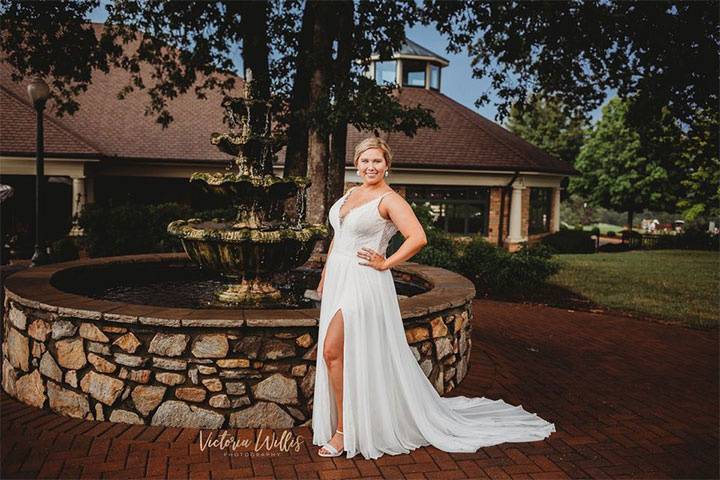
(255, 51)
(338, 140)
(253, 25)
(318, 138)
(630, 219)
(296, 151)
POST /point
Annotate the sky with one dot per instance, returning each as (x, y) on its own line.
(457, 81)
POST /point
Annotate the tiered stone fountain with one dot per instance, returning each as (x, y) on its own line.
(261, 241)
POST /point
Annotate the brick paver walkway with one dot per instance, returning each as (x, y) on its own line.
(630, 399)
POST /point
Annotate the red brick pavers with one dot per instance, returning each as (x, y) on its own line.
(630, 399)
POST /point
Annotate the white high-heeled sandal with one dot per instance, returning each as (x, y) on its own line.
(334, 452)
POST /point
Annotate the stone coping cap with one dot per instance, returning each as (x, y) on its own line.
(33, 288)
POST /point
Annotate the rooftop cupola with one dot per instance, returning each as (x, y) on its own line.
(414, 64)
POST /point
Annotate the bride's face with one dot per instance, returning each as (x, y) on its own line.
(372, 166)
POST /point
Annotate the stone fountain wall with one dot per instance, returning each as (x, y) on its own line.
(174, 367)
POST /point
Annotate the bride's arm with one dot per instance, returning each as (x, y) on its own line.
(402, 215)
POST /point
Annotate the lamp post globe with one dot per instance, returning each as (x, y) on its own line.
(38, 91)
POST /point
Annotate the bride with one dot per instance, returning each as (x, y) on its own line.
(371, 396)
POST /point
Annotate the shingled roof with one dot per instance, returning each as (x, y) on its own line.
(17, 137)
(464, 140)
(107, 128)
(411, 48)
(118, 128)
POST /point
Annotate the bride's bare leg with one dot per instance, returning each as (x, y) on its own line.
(333, 356)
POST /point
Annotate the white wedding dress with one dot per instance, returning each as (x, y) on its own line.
(389, 405)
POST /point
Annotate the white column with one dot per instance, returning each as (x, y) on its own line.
(515, 233)
(83, 192)
(555, 221)
(79, 198)
(398, 72)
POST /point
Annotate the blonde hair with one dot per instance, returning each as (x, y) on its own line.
(373, 142)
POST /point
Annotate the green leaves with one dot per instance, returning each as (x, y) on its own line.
(663, 52)
(660, 166)
(544, 123)
(701, 164)
(615, 173)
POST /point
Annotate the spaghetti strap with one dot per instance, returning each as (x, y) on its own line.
(383, 196)
(387, 193)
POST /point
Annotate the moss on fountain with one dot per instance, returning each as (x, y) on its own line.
(219, 178)
(197, 229)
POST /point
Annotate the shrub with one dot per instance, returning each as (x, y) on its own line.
(441, 251)
(696, 238)
(160, 216)
(611, 234)
(569, 241)
(130, 229)
(424, 216)
(482, 263)
(64, 250)
(494, 270)
(529, 268)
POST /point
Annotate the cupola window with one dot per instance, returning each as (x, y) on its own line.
(435, 77)
(385, 72)
(413, 73)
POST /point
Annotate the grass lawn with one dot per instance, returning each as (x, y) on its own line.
(604, 228)
(675, 285)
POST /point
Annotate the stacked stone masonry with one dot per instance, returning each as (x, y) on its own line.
(155, 371)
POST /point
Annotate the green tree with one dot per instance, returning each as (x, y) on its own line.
(620, 172)
(543, 123)
(700, 161)
(663, 51)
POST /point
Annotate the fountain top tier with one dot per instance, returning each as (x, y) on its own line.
(262, 240)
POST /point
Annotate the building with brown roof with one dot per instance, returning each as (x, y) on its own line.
(471, 171)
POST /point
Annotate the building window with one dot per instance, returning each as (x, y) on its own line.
(462, 210)
(413, 73)
(434, 77)
(540, 210)
(385, 72)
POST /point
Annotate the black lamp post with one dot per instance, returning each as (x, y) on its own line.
(39, 91)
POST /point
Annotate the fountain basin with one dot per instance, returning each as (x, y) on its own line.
(248, 255)
(215, 245)
(192, 367)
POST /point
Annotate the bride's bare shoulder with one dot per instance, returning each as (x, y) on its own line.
(392, 203)
(397, 198)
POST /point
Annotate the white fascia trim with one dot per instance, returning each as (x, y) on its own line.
(411, 57)
(492, 178)
(54, 167)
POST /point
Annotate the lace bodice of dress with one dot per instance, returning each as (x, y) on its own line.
(362, 226)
